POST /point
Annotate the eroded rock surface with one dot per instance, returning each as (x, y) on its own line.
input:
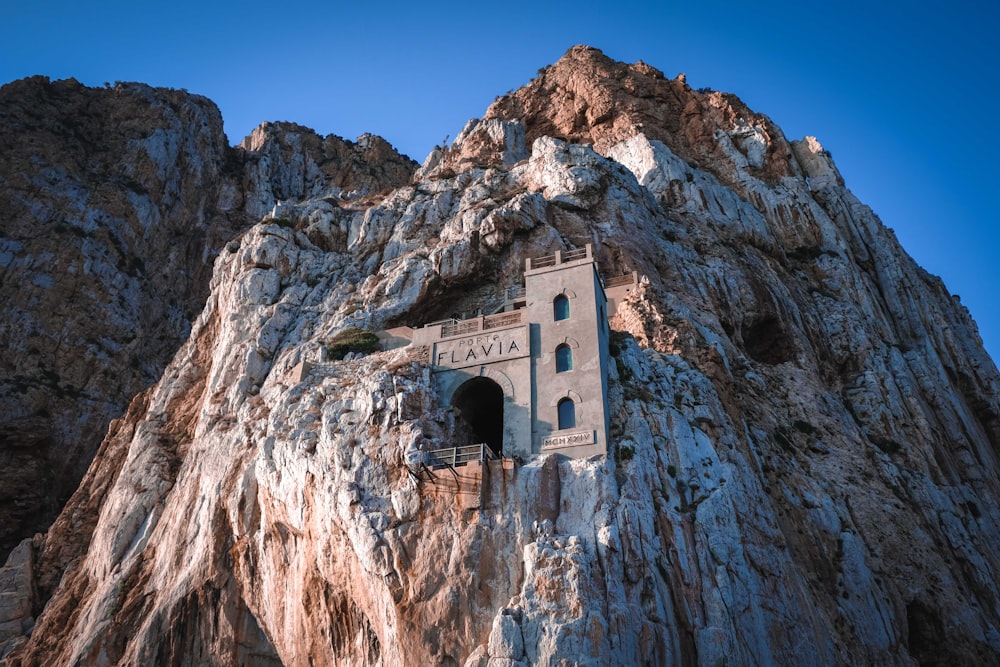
(285, 161)
(805, 425)
(115, 202)
(112, 200)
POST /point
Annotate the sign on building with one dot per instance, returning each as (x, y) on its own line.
(482, 348)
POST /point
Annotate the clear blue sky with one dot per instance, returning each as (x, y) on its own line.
(904, 94)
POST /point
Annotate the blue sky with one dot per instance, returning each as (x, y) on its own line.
(903, 94)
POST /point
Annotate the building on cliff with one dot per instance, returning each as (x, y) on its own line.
(532, 378)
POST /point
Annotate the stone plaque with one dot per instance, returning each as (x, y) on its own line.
(484, 347)
(569, 439)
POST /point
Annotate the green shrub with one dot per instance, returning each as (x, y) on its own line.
(624, 374)
(616, 342)
(351, 339)
(624, 453)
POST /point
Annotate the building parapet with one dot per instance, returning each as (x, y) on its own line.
(450, 328)
(558, 258)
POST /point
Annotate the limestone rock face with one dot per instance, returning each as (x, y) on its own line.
(286, 161)
(803, 464)
(115, 202)
(111, 200)
(481, 143)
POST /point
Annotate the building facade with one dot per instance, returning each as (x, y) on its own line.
(532, 379)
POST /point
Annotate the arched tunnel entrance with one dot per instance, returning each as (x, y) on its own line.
(479, 403)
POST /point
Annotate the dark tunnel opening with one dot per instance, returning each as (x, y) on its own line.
(479, 402)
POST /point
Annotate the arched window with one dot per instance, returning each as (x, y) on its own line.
(564, 358)
(560, 307)
(567, 413)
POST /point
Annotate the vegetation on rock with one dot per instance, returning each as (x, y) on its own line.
(351, 339)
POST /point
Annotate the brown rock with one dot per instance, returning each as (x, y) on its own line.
(586, 97)
(113, 200)
(285, 161)
(116, 202)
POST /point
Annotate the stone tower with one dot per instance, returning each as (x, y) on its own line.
(567, 309)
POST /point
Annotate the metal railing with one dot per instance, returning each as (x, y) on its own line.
(453, 457)
(516, 293)
(458, 327)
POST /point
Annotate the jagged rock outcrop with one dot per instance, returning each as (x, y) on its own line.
(286, 161)
(115, 202)
(588, 98)
(805, 426)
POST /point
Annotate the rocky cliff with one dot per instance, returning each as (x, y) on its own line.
(115, 203)
(111, 199)
(805, 425)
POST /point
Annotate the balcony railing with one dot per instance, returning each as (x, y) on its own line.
(544, 261)
(615, 281)
(459, 327)
(453, 457)
(514, 293)
(501, 320)
(559, 257)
